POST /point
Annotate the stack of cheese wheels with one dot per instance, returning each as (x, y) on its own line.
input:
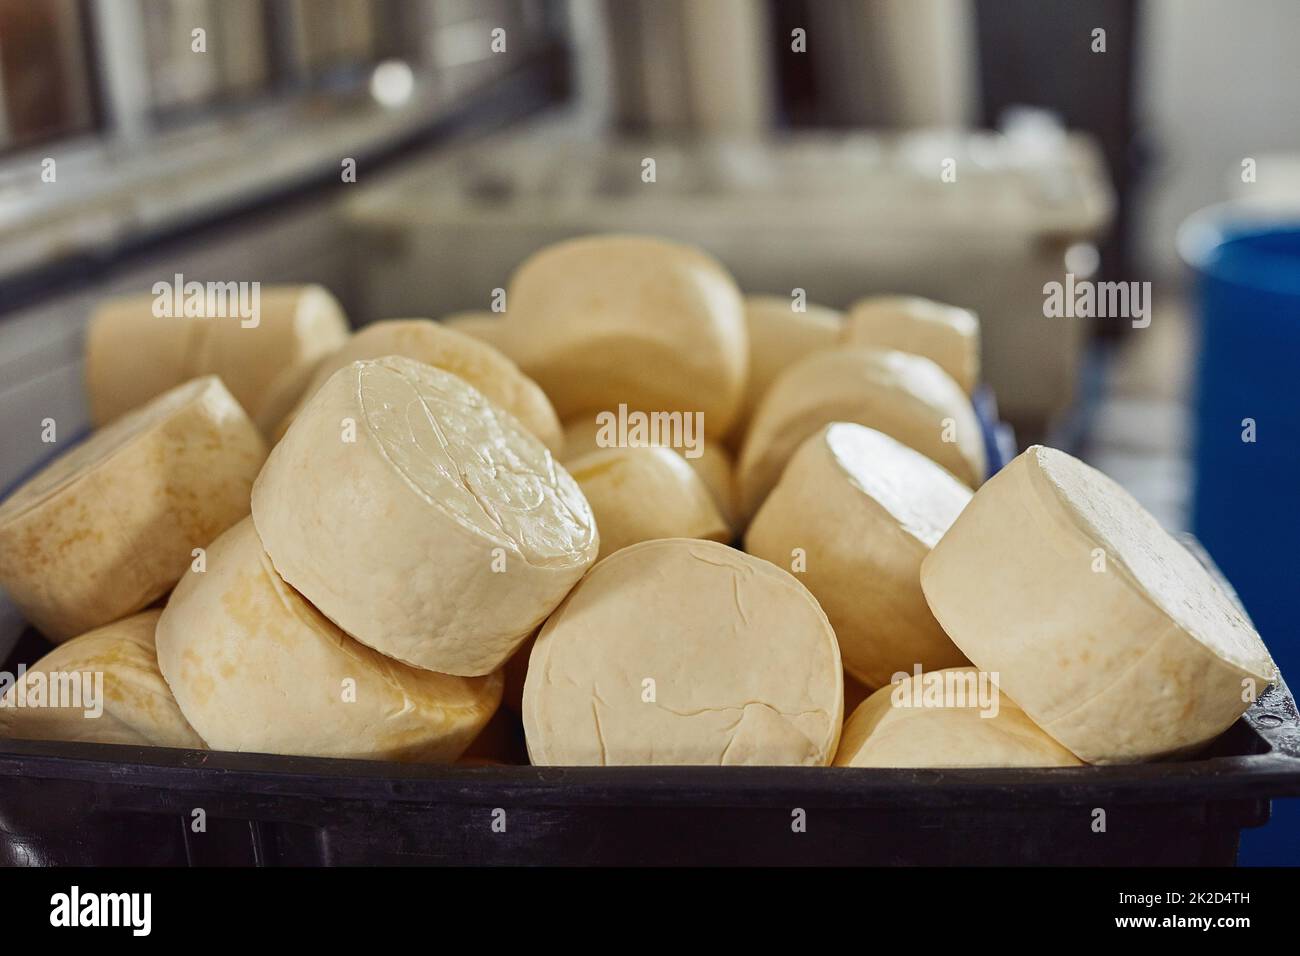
(588, 433)
(955, 717)
(945, 334)
(1110, 635)
(108, 527)
(123, 698)
(256, 668)
(610, 320)
(133, 354)
(854, 514)
(638, 494)
(479, 364)
(421, 518)
(685, 652)
(781, 332)
(905, 396)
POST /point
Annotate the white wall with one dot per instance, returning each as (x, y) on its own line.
(1218, 82)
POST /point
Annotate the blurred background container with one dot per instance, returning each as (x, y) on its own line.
(804, 142)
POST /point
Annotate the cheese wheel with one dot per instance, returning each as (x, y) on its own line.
(108, 527)
(905, 396)
(489, 327)
(498, 378)
(945, 334)
(1110, 635)
(973, 725)
(707, 459)
(266, 361)
(127, 703)
(655, 325)
(421, 518)
(255, 667)
(685, 652)
(778, 337)
(860, 511)
(639, 494)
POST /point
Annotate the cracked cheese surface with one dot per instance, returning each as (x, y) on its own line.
(1110, 635)
(464, 356)
(255, 667)
(421, 518)
(744, 666)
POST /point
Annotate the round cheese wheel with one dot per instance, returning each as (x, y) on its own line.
(255, 667)
(133, 355)
(905, 396)
(498, 378)
(1110, 634)
(945, 334)
(854, 514)
(778, 337)
(118, 695)
(707, 459)
(108, 527)
(638, 494)
(421, 518)
(489, 327)
(608, 320)
(954, 717)
(685, 652)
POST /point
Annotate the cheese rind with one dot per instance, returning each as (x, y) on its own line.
(421, 518)
(707, 459)
(137, 706)
(478, 363)
(133, 355)
(681, 651)
(947, 335)
(655, 325)
(889, 729)
(639, 494)
(108, 527)
(778, 337)
(905, 396)
(861, 511)
(489, 327)
(255, 667)
(1107, 632)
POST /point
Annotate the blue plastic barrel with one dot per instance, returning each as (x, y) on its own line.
(1246, 487)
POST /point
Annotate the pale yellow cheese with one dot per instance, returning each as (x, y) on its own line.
(120, 695)
(655, 325)
(489, 371)
(947, 335)
(255, 667)
(680, 651)
(709, 460)
(108, 527)
(133, 355)
(905, 396)
(1110, 635)
(779, 336)
(638, 494)
(421, 518)
(945, 725)
(854, 514)
(489, 327)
